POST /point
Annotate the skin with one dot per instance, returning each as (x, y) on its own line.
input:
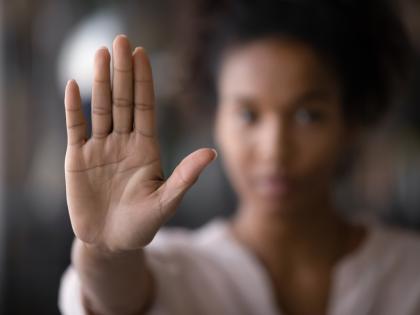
(281, 132)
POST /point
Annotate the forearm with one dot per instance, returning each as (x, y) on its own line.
(112, 283)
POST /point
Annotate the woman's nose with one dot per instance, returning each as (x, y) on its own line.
(275, 143)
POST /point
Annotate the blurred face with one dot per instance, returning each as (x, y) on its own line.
(279, 125)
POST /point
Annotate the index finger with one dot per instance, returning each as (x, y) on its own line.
(144, 109)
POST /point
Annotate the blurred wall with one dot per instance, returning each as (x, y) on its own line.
(2, 159)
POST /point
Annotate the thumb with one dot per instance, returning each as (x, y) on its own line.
(185, 175)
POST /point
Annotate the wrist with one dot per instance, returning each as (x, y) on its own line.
(85, 252)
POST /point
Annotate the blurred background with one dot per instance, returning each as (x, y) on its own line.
(44, 43)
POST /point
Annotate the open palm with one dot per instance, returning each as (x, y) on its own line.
(116, 193)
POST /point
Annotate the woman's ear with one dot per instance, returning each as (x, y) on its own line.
(352, 137)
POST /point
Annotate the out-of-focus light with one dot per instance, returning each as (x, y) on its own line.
(76, 56)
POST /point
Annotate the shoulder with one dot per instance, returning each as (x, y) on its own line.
(388, 252)
(382, 276)
(396, 270)
(388, 259)
(399, 254)
(389, 266)
(397, 244)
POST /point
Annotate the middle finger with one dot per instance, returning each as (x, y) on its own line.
(122, 86)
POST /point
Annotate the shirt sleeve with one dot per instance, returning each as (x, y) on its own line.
(167, 285)
(164, 264)
(70, 297)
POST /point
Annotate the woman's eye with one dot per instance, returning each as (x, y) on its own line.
(305, 116)
(248, 116)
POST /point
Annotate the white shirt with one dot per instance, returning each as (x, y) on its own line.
(208, 272)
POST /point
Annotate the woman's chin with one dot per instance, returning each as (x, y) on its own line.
(283, 205)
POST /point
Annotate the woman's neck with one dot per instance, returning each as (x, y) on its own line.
(321, 236)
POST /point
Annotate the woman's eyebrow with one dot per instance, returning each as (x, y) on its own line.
(310, 96)
(316, 95)
(244, 100)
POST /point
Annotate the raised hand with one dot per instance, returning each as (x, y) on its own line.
(116, 193)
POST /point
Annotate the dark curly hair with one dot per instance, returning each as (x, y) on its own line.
(362, 40)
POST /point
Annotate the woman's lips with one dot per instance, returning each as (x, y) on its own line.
(273, 186)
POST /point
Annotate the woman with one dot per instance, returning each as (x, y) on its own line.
(294, 82)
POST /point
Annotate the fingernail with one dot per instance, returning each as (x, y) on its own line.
(215, 154)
